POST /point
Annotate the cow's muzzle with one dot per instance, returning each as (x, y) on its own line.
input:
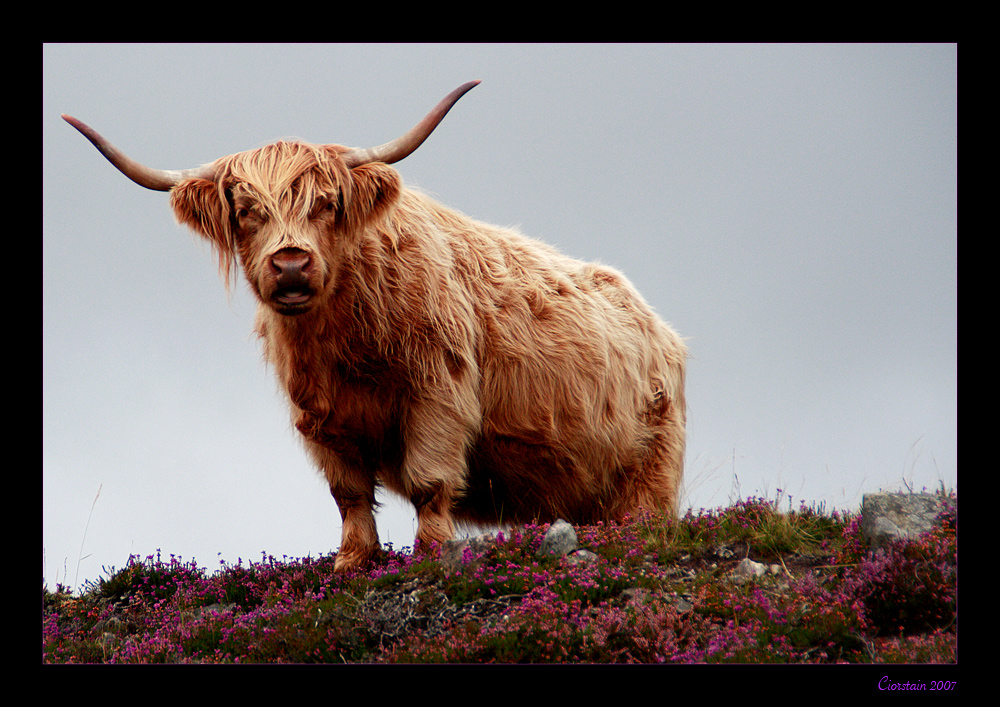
(293, 290)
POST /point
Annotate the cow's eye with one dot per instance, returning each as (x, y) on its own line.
(247, 212)
(324, 207)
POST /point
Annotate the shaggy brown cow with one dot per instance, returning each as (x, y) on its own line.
(480, 374)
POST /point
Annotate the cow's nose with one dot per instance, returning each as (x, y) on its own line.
(290, 266)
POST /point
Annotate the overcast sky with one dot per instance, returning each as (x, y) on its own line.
(790, 209)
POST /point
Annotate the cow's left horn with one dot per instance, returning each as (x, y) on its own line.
(402, 146)
(156, 179)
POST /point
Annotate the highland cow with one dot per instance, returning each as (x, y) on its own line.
(480, 374)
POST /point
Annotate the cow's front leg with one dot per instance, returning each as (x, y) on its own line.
(354, 492)
(359, 536)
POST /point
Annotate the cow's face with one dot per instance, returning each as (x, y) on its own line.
(290, 213)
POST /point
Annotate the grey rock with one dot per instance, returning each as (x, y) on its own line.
(560, 539)
(637, 595)
(453, 551)
(748, 569)
(683, 604)
(581, 555)
(633, 593)
(890, 516)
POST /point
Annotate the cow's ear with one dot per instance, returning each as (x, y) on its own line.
(374, 188)
(201, 205)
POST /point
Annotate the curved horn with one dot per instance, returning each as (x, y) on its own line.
(156, 179)
(403, 146)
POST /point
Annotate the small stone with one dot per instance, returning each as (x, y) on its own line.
(560, 539)
(581, 555)
(748, 569)
(453, 551)
(633, 593)
(683, 603)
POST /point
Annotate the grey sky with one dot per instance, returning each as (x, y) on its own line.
(791, 209)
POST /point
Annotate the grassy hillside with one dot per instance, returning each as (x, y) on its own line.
(651, 590)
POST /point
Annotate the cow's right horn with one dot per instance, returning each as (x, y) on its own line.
(156, 179)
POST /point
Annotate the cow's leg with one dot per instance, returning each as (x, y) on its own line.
(434, 468)
(359, 542)
(658, 480)
(354, 492)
